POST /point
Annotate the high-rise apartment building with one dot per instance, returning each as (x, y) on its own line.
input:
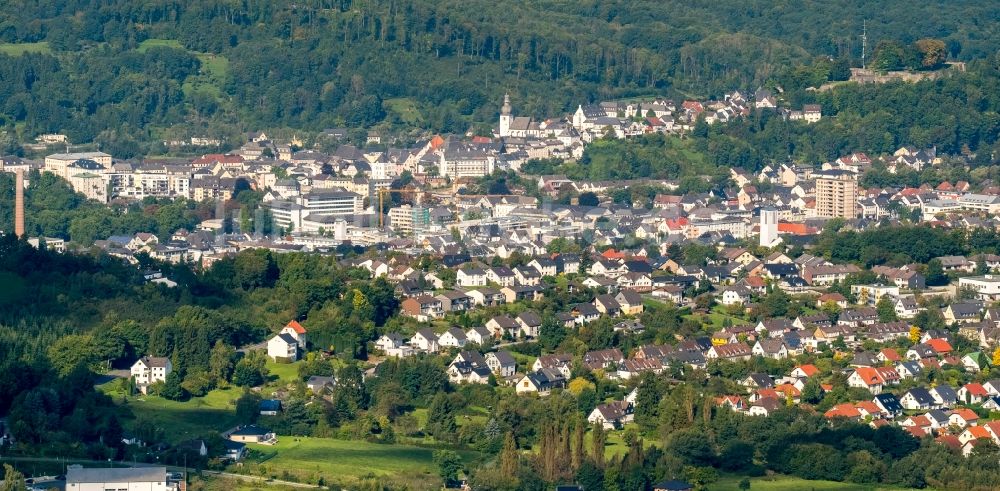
(836, 194)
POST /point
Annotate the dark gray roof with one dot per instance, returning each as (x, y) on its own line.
(505, 358)
(530, 318)
(889, 402)
(922, 395)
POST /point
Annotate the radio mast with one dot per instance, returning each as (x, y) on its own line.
(864, 41)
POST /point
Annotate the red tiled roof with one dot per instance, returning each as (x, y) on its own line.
(976, 389)
(832, 297)
(868, 406)
(844, 410)
(296, 327)
(613, 254)
(978, 432)
(966, 414)
(890, 354)
(949, 440)
(939, 345)
(869, 376)
(795, 228)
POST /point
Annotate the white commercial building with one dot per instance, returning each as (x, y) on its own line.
(57, 163)
(318, 209)
(987, 287)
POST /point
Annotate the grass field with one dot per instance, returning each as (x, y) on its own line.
(715, 319)
(183, 420)
(787, 483)
(347, 462)
(158, 43)
(405, 108)
(285, 372)
(213, 68)
(18, 49)
(213, 75)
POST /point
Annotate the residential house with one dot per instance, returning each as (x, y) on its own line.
(453, 338)
(486, 296)
(425, 340)
(284, 347)
(630, 302)
(454, 301)
(470, 276)
(606, 304)
(729, 351)
(149, 370)
(503, 325)
(603, 359)
(962, 312)
(296, 331)
(917, 398)
(765, 406)
(611, 416)
(422, 308)
(888, 404)
(541, 382)
(389, 341)
(530, 322)
(562, 362)
(521, 292)
(479, 335)
(501, 363)
(770, 348)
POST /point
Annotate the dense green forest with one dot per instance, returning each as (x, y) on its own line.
(124, 73)
(65, 317)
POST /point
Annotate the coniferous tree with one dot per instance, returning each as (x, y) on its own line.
(598, 439)
(579, 456)
(509, 456)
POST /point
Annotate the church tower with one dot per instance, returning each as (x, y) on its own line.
(505, 117)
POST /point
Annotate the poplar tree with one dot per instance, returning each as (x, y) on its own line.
(509, 456)
(597, 445)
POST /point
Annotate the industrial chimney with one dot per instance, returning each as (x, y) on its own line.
(19, 204)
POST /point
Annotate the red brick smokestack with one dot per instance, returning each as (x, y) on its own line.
(19, 204)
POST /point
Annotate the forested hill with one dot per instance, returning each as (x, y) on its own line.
(118, 70)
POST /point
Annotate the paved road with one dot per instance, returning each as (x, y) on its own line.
(251, 347)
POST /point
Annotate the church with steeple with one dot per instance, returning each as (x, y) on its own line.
(520, 127)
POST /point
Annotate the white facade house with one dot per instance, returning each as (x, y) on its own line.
(296, 331)
(119, 479)
(283, 346)
(150, 369)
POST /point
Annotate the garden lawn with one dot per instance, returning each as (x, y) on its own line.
(283, 372)
(346, 462)
(184, 420)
